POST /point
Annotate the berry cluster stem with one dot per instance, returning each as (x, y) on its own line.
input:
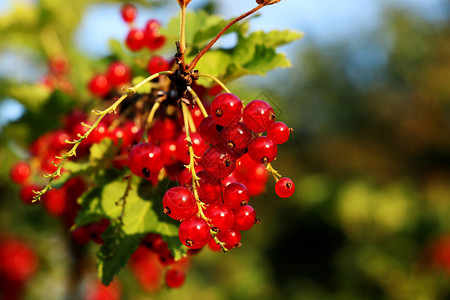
(222, 85)
(276, 175)
(195, 178)
(198, 101)
(101, 114)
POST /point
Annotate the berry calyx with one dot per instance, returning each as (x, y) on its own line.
(284, 187)
(145, 160)
(226, 109)
(278, 132)
(179, 203)
(194, 233)
(262, 150)
(258, 115)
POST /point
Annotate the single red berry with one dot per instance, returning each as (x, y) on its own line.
(262, 150)
(120, 133)
(235, 195)
(118, 74)
(236, 138)
(231, 238)
(20, 172)
(244, 217)
(209, 130)
(99, 133)
(155, 40)
(164, 129)
(58, 64)
(128, 12)
(58, 141)
(222, 218)
(209, 189)
(198, 145)
(81, 235)
(284, 187)
(179, 203)
(155, 243)
(226, 109)
(213, 245)
(145, 160)
(194, 233)
(258, 116)
(152, 26)
(217, 162)
(27, 194)
(169, 152)
(157, 64)
(197, 115)
(55, 202)
(99, 85)
(18, 262)
(175, 278)
(278, 132)
(135, 40)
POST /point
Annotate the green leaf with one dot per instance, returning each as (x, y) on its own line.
(101, 154)
(214, 62)
(115, 252)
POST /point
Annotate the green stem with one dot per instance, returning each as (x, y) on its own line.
(183, 30)
(224, 87)
(198, 101)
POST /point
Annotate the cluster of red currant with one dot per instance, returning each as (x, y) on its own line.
(152, 259)
(18, 263)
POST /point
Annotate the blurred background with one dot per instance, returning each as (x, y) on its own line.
(369, 99)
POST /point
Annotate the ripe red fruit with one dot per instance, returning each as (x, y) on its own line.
(157, 64)
(198, 145)
(145, 160)
(152, 26)
(55, 201)
(258, 115)
(236, 138)
(209, 189)
(20, 172)
(278, 132)
(99, 85)
(217, 162)
(244, 217)
(58, 141)
(18, 262)
(118, 74)
(169, 152)
(226, 109)
(58, 64)
(213, 245)
(231, 238)
(175, 278)
(262, 150)
(97, 229)
(284, 187)
(235, 195)
(128, 12)
(221, 216)
(164, 129)
(179, 203)
(27, 194)
(135, 40)
(154, 242)
(209, 130)
(194, 233)
(81, 235)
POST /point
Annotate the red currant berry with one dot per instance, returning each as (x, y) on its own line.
(262, 150)
(284, 187)
(217, 162)
(135, 40)
(194, 233)
(164, 129)
(278, 132)
(59, 65)
(231, 238)
(154, 40)
(175, 278)
(226, 109)
(128, 12)
(27, 194)
(209, 189)
(18, 262)
(20, 172)
(58, 141)
(99, 85)
(236, 138)
(157, 64)
(118, 74)
(99, 133)
(213, 245)
(198, 145)
(169, 152)
(155, 243)
(258, 116)
(166, 257)
(222, 218)
(235, 195)
(152, 26)
(209, 130)
(145, 160)
(244, 217)
(179, 203)
(55, 202)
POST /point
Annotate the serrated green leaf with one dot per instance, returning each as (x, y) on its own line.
(115, 252)
(214, 62)
(275, 38)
